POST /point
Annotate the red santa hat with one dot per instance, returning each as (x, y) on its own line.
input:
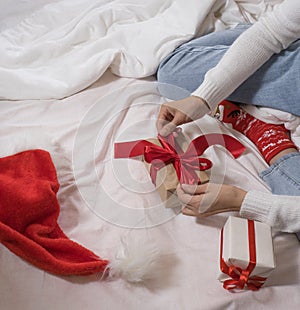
(29, 210)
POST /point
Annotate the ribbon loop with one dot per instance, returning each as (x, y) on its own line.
(185, 163)
(242, 277)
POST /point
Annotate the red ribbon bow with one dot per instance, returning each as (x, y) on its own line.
(241, 277)
(185, 163)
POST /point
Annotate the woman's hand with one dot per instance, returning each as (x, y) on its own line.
(179, 112)
(209, 198)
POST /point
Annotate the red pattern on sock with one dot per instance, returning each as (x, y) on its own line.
(270, 139)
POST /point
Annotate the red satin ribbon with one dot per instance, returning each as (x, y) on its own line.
(239, 277)
(185, 163)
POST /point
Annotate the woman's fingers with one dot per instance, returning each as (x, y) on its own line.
(189, 211)
(188, 199)
(208, 199)
(167, 129)
(180, 112)
(168, 120)
(200, 199)
(195, 189)
(164, 117)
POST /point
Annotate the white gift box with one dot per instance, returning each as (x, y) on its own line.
(246, 254)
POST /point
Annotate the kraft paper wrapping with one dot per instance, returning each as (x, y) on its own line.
(166, 178)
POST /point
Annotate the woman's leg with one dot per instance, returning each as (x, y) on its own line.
(283, 176)
(273, 142)
(276, 84)
(181, 72)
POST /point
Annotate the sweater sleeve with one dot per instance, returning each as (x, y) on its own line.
(272, 33)
(280, 212)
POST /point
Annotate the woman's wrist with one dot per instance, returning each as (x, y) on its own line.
(201, 101)
(238, 196)
(203, 105)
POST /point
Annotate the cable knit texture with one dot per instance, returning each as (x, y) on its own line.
(272, 33)
(279, 211)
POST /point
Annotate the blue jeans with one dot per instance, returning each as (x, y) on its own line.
(276, 84)
(283, 176)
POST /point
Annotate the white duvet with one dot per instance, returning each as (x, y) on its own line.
(67, 45)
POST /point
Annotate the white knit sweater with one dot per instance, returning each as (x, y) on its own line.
(280, 212)
(272, 33)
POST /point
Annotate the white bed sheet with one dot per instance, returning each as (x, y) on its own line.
(99, 206)
(190, 247)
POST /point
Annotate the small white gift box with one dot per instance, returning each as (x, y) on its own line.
(246, 254)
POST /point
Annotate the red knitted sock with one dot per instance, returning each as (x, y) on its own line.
(270, 139)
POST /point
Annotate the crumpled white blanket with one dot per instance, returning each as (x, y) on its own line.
(67, 45)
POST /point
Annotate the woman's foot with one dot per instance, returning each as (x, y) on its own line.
(272, 140)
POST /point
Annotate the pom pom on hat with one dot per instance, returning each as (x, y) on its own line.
(136, 261)
(28, 225)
